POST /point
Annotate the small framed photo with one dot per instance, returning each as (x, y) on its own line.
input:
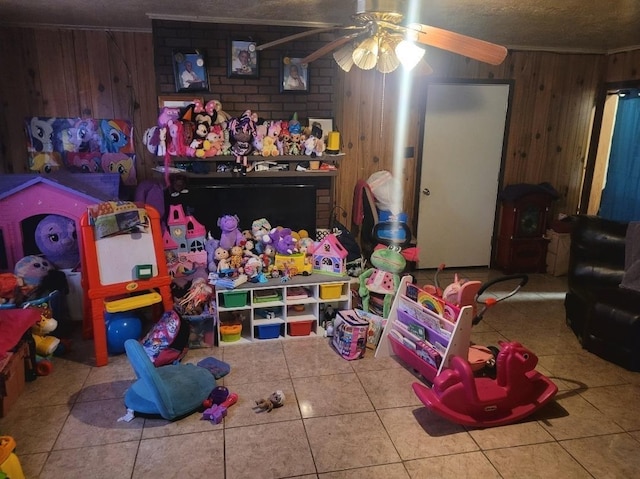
(294, 77)
(177, 101)
(190, 71)
(324, 124)
(242, 59)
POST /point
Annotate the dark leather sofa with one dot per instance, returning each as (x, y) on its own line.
(604, 316)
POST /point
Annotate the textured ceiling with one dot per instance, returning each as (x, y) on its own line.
(596, 26)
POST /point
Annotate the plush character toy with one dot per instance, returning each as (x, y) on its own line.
(231, 234)
(210, 246)
(242, 131)
(383, 278)
(236, 257)
(45, 344)
(282, 240)
(57, 240)
(32, 270)
(260, 229)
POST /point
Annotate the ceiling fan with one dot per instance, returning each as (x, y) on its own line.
(377, 38)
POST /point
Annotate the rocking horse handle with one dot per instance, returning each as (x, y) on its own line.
(490, 302)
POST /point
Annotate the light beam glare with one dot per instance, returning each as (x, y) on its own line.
(402, 118)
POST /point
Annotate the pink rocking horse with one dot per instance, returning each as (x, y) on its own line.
(517, 391)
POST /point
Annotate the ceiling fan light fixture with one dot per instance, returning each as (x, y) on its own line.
(365, 56)
(387, 59)
(344, 57)
(409, 53)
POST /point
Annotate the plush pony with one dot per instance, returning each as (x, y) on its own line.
(383, 279)
(45, 344)
(231, 234)
(57, 240)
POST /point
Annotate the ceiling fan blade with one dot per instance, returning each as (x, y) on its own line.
(457, 43)
(329, 47)
(296, 36)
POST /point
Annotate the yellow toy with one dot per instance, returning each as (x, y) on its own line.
(45, 345)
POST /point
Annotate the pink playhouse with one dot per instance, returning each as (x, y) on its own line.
(330, 257)
(24, 198)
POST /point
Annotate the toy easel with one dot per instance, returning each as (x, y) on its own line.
(121, 273)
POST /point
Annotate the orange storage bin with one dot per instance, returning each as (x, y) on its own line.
(300, 328)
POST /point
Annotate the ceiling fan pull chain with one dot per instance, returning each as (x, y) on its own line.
(384, 82)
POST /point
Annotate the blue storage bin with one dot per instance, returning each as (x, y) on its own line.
(268, 331)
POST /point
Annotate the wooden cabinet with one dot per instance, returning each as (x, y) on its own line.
(521, 246)
(276, 310)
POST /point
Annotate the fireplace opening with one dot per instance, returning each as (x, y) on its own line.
(288, 205)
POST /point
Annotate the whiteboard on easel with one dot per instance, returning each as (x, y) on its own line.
(119, 255)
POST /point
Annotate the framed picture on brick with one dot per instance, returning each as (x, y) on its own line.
(190, 71)
(242, 59)
(294, 75)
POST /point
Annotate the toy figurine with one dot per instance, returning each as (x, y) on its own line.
(275, 400)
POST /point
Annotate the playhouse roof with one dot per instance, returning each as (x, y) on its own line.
(92, 186)
(335, 246)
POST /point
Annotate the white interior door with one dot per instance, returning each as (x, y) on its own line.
(461, 156)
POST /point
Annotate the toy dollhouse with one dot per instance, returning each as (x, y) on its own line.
(26, 196)
(184, 238)
(330, 257)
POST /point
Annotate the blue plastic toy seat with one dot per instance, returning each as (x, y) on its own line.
(171, 391)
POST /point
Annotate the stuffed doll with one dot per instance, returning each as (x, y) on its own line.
(258, 138)
(236, 257)
(242, 130)
(57, 240)
(231, 234)
(221, 257)
(210, 246)
(282, 240)
(383, 279)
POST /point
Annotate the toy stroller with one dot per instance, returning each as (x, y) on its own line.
(433, 337)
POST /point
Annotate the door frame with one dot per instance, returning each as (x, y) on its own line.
(505, 139)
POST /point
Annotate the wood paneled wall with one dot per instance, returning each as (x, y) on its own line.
(73, 73)
(104, 74)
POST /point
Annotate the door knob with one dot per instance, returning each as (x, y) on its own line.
(426, 192)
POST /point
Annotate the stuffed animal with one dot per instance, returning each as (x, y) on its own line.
(210, 246)
(383, 278)
(32, 270)
(57, 240)
(282, 240)
(260, 229)
(45, 344)
(269, 147)
(231, 234)
(275, 400)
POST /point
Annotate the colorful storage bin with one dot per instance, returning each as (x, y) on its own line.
(234, 299)
(330, 290)
(268, 331)
(231, 332)
(300, 328)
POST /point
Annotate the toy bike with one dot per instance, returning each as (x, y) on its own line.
(512, 392)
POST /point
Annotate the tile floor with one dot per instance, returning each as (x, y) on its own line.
(341, 419)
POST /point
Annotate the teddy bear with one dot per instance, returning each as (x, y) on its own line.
(269, 147)
(45, 344)
(231, 234)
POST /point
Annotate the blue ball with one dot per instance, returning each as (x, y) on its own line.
(120, 327)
